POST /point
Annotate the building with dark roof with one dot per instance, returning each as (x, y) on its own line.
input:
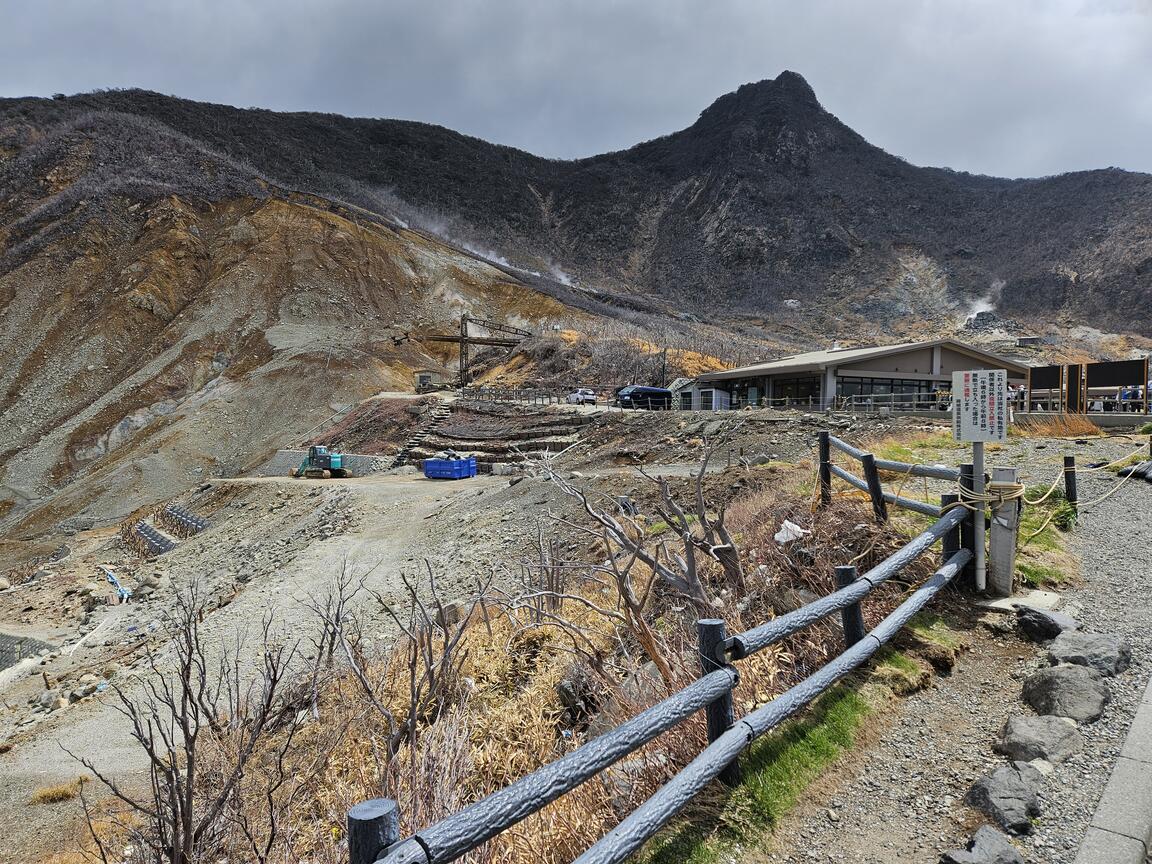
(823, 379)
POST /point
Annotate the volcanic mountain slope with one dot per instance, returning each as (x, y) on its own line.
(164, 341)
(185, 286)
(766, 204)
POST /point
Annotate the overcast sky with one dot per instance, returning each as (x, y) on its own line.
(1005, 87)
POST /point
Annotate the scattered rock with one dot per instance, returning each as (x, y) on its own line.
(1106, 653)
(641, 688)
(988, 846)
(76, 524)
(1008, 796)
(1025, 738)
(450, 613)
(578, 695)
(1040, 626)
(1071, 691)
(4, 584)
(999, 624)
(1045, 767)
(784, 599)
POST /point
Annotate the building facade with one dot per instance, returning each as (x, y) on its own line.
(907, 376)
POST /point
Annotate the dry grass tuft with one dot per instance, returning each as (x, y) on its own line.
(59, 793)
(1060, 426)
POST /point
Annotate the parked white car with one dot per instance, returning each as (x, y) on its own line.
(582, 396)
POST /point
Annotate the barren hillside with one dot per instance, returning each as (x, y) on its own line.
(184, 286)
(170, 340)
(767, 204)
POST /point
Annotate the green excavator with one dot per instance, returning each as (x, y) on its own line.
(322, 463)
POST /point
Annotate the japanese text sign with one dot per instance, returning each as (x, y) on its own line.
(980, 405)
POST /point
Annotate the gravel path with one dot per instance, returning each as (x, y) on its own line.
(1113, 539)
(900, 800)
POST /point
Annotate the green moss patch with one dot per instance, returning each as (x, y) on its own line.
(777, 769)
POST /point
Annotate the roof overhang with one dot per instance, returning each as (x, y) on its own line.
(833, 359)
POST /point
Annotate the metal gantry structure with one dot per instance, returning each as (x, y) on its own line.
(512, 337)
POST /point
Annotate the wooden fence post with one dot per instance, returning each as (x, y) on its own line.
(851, 616)
(373, 826)
(968, 526)
(712, 634)
(1002, 542)
(950, 543)
(1070, 480)
(875, 490)
(826, 467)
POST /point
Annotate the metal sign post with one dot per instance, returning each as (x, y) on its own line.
(979, 414)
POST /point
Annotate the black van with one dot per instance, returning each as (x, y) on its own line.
(639, 396)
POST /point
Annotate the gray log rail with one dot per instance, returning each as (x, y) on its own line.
(871, 468)
(469, 828)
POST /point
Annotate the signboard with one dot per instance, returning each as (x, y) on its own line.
(1044, 377)
(1119, 373)
(980, 405)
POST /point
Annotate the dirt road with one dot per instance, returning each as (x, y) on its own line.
(395, 525)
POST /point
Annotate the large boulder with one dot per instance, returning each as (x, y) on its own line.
(987, 846)
(1108, 654)
(1078, 692)
(1040, 626)
(1052, 739)
(1009, 797)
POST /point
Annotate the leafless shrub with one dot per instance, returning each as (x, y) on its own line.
(201, 721)
(431, 633)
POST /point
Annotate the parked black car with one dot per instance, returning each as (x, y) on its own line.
(639, 396)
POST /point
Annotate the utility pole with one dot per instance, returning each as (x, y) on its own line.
(464, 350)
(664, 368)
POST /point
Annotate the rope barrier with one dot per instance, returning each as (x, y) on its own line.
(1000, 493)
(1107, 494)
(1039, 530)
(1052, 489)
(1141, 449)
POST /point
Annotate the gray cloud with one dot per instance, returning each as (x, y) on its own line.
(1020, 88)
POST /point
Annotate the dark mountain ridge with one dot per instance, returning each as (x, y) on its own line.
(767, 204)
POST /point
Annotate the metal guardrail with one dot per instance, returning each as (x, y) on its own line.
(940, 400)
(506, 394)
(373, 826)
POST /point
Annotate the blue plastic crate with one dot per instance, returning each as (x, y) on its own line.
(450, 469)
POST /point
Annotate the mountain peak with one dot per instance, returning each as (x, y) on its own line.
(788, 93)
(794, 84)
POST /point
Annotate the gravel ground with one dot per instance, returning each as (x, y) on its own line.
(900, 799)
(1113, 539)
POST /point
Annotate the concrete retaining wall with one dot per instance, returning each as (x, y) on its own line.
(284, 461)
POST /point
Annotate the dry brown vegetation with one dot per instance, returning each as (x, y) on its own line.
(1059, 426)
(474, 695)
(59, 793)
(647, 350)
(376, 426)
